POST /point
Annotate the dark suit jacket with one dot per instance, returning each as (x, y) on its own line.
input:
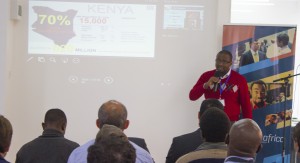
(247, 58)
(184, 144)
(140, 142)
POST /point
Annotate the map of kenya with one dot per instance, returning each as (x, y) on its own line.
(55, 25)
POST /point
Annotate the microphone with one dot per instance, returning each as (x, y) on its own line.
(215, 87)
(218, 75)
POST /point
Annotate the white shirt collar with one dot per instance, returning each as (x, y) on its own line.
(226, 75)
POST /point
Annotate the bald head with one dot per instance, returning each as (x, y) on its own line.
(244, 138)
(112, 113)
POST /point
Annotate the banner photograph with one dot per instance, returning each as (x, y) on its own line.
(265, 56)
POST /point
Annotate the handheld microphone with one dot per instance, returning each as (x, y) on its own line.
(218, 75)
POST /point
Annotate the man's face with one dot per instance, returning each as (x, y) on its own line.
(223, 63)
(258, 93)
(255, 46)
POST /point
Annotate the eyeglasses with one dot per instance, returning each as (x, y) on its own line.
(222, 61)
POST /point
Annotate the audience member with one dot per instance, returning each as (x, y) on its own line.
(226, 85)
(111, 146)
(6, 132)
(51, 146)
(296, 139)
(258, 94)
(215, 125)
(253, 55)
(244, 141)
(113, 113)
(186, 143)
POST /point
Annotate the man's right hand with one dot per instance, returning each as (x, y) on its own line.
(212, 80)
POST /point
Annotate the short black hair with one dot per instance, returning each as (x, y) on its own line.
(55, 117)
(260, 82)
(215, 125)
(284, 38)
(252, 40)
(226, 52)
(208, 103)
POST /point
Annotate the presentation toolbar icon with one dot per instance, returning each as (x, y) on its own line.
(29, 59)
(108, 80)
(73, 79)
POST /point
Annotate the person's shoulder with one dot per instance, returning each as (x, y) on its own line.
(141, 154)
(29, 144)
(2, 160)
(140, 142)
(238, 77)
(248, 52)
(71, 143)
(234, 73)
(261, 52)
(138, 148)
(136, 139)
(209, 73)
(84, 147)
(187, 136)
(80, 153)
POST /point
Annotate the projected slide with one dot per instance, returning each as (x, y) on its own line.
(183, 17)
(91, 29)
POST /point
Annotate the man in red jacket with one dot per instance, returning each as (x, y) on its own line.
(226, 85)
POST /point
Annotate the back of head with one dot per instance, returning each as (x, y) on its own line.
(55, 119)
(284, 38)
(208, 103)
(111, 145)
(215, 125)
(113, 113)
(6, 132)
(296, 135)
(244, 138)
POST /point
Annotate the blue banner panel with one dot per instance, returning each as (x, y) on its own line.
(265, 54)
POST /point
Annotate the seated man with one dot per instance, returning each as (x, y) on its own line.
(244, 141)
(111, 145)
(184, 144)
(215, 125)
(6, 132)
(112, 113)
(51, 146)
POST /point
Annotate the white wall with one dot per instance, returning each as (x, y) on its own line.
(155, 91)
(3, 52)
